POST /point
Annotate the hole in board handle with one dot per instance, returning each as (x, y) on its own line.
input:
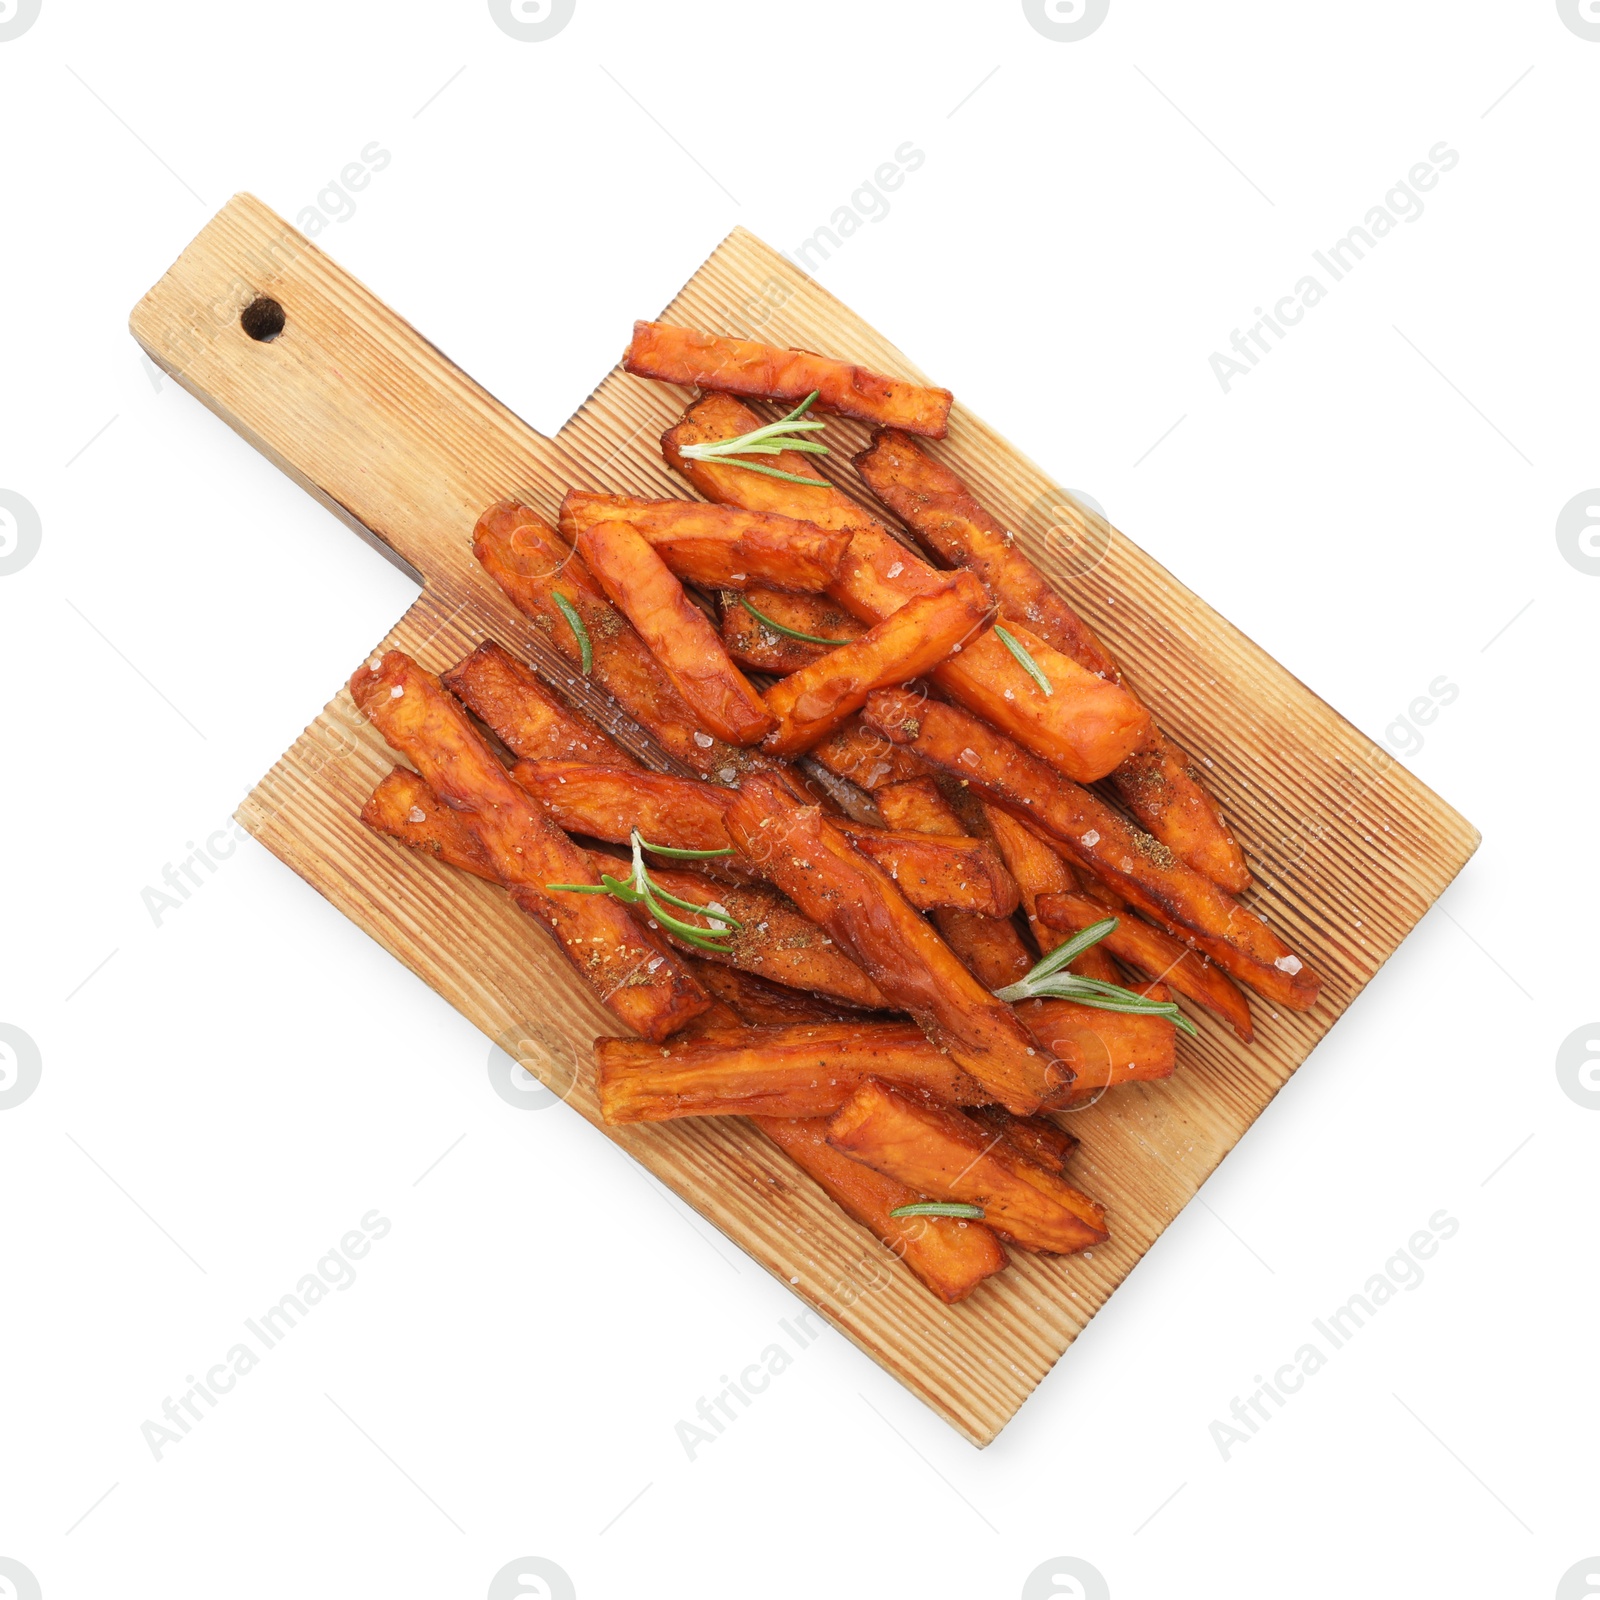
(263, 319)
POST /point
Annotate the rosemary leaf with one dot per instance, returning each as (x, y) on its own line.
(578, 629)
(685, 855)
(1027, 663)
(788, 633)
(939, 1208)
(1063, 954)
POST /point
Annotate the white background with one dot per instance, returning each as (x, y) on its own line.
(226, 1094)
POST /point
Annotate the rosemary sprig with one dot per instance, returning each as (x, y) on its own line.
(939, 1208)
(788, 633)
(760, 442)
(1028, 664)
(640, 888)
(569, 611)
(1050, 980)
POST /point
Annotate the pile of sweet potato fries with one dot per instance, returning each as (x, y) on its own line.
(882, 916)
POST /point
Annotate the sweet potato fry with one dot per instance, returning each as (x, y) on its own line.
(940, 1152)
(533, 564)
(718, 546)
(676, 632)
(756, 1000)
(1150, 950)
(867, 759)
(753, 644)
(508, 697)
(917, 805)
(989, 946)
(405, 808)
(1038, 1138)
(634, 973)
(722, 416)
(1085, 726)
(719, 1021)
(802, 853)
(937, 507)
(933, 870)
(774, 942)
(1102, 1048)
(949, 1255)
(742, 366)
(1159, 784)
(677, 812)
(1036, 869)
(811, 703)
(1139, 868)
(803, 1070)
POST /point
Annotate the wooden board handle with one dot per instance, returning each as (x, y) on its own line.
(325, 380)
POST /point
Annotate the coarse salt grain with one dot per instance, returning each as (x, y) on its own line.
(1289, 964)
(396, 692)
(416, 814)
(1092, 838)
(737, 577)
(704, 740)
(895, 570)
(727, 774)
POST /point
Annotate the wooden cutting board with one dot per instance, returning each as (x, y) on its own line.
(1350, 850)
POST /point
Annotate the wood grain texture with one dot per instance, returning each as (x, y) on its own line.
(1349, 849)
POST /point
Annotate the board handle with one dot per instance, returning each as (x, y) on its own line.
(362, 411)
